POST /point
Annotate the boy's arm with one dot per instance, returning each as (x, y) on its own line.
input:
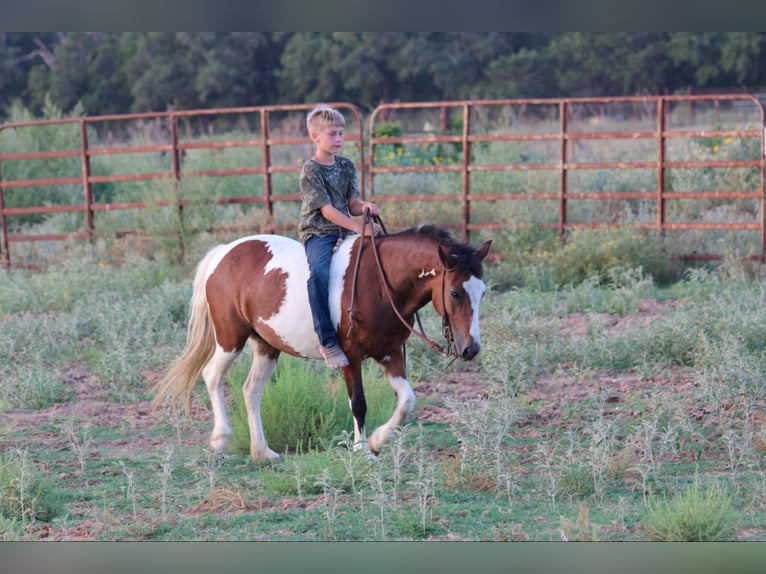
(346, 222)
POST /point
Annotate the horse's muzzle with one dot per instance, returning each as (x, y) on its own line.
(470, 351)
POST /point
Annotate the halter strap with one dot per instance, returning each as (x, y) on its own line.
(446, 330)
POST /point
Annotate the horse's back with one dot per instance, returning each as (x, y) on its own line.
(259, 282)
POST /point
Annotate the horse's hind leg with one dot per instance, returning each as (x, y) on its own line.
(214, 375)
(405, 402)
(264, 363)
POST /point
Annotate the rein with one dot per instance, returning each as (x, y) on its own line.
(446, 330)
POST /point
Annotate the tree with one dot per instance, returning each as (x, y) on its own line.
(349, 66)
(719, 59)
(160, 73)
(111, 72)
(614, 64)
(232, 68)
(87, 68)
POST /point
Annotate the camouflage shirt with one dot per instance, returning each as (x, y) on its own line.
(322, 184)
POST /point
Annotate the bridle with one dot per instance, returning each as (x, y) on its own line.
(447, 351)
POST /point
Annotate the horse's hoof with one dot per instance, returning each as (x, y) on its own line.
(371, 443)
(219, 445)
(267, 455)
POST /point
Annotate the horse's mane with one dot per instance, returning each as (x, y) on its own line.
(465, 253)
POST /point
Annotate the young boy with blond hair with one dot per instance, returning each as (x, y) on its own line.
(329, 199)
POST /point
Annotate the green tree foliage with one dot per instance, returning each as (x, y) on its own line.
(111, 72)
(86, 68)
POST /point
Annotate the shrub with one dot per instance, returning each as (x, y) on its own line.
(24, 495)
(697, 514)
(301, 408)
(592, 253)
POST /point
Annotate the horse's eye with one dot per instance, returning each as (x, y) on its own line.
(456, 295)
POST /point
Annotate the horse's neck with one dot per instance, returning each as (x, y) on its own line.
(413, 279)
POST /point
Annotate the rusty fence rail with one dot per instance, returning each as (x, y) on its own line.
(167, 140)
(574, 127)
(560, 155)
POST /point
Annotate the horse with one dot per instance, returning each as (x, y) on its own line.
(253, 290)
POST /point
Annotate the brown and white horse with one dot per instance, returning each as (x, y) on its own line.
(253, 290)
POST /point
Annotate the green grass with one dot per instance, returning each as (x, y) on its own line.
(588, 434)
(619, 394)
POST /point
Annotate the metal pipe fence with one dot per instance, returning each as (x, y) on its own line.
(572, 127)
(575, 162)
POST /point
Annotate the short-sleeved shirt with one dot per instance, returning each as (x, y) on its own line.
(322, 184)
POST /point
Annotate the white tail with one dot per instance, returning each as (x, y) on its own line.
(200, 342)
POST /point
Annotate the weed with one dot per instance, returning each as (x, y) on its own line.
(579, 529)
(164, 473)
(329, 501)
(25, 496)
(130, 488)
(354, 460)
(697, 514)
(79, 438)
(480, 426)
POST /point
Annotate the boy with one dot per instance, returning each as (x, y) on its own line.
(329, 197)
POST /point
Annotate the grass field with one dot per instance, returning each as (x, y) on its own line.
(603, 411)
(619, 394)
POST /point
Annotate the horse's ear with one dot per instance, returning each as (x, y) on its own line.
(448, 260)
(483, 250)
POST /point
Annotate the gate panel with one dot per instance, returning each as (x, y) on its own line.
(174, 173)
(668, 163)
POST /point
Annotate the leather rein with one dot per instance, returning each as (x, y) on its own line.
(449, 349)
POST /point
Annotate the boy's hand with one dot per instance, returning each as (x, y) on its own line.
(373, 228)
(371, 207)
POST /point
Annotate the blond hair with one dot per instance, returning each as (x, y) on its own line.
(322, 117)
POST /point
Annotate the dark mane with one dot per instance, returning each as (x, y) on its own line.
(465, 253)
(438, 234)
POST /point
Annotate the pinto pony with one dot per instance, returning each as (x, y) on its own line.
(253, 290)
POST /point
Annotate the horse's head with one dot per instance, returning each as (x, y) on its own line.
(461, 292)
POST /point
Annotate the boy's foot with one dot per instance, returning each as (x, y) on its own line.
(334, 356)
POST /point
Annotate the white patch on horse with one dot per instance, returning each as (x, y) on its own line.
(405, 403)
(475, 288)
(214, 375)
(341, 260)
(294, 322)
(424, 273)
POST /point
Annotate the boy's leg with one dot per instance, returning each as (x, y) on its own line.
(319, 254)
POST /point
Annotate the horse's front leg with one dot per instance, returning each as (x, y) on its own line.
(405, 400)
(352, 374)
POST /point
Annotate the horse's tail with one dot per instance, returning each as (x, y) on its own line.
(184, 373)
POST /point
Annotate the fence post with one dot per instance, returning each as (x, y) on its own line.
(763, 182)
(563, 112)
(4, 225)
(176, 159)
(661, 166)
(87, 185)
(267, 191)
(466, 173)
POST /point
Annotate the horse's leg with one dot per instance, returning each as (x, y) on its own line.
(264, 363)
(352, 374)
(214, 375)
(405, 401)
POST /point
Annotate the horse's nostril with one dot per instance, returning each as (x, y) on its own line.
(470, 352)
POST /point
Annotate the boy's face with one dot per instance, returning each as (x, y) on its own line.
(328, 140)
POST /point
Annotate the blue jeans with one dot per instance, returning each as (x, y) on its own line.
(319, 255)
